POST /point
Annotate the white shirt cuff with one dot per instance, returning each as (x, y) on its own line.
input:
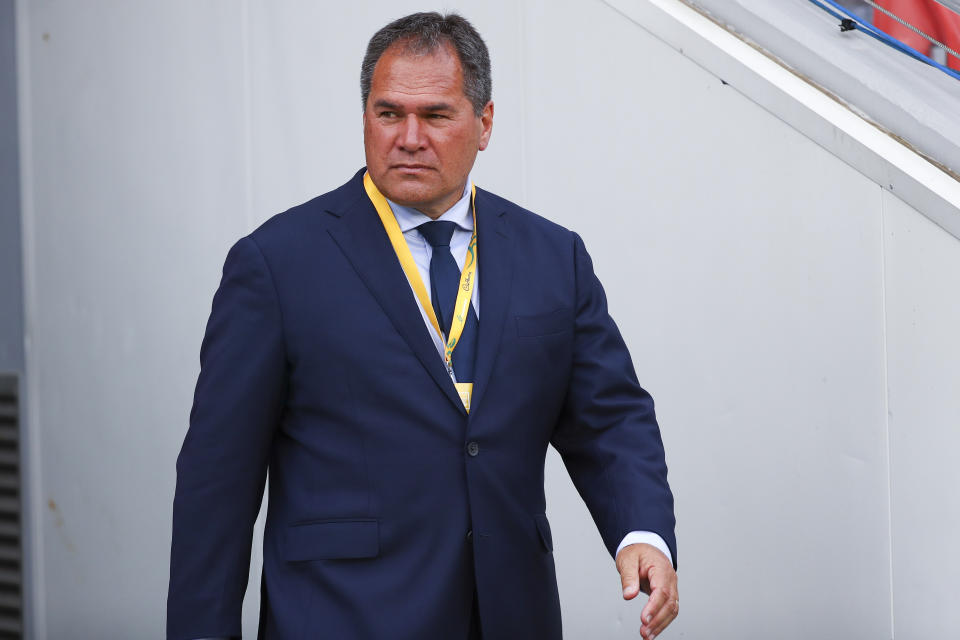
(649, 537)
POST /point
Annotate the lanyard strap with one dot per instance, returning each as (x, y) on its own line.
(467, 274)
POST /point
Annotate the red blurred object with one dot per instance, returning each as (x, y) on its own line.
(930, 17)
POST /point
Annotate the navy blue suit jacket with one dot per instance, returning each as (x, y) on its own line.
(388, 504)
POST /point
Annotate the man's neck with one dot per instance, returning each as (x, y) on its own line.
(410, 217)
(436, 211)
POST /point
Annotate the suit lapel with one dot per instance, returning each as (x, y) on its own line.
(496, 277)
(364, 242)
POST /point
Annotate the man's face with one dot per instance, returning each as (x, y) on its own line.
(420, 133)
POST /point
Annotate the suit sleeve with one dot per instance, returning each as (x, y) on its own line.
(221, 470)
(607, 433)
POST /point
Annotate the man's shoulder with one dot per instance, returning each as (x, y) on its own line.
(314, 214)
(522, 219)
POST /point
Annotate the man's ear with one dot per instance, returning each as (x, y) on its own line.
(486, 122)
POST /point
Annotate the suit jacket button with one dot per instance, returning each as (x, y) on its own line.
(473, 448)
(470, 535)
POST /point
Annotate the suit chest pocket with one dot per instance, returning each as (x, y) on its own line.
(544, 324)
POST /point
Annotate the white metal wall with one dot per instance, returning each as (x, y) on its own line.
(795, 322)
(922, 274)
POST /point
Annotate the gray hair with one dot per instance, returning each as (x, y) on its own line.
(424, 33)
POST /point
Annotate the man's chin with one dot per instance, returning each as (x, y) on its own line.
(408, 193)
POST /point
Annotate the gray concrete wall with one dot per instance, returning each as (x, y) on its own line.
(793, 318)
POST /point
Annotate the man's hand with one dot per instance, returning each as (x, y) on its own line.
(643, 567)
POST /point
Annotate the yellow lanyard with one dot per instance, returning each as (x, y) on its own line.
(467, 279)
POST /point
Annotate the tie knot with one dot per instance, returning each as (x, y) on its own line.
(438, 232)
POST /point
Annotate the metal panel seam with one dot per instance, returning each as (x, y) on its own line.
(886, 394)
(35, 620)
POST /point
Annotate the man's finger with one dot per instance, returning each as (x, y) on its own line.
(658, 598)
(629, 574)
(665, 615)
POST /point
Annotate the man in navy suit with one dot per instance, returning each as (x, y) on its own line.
(399, 353)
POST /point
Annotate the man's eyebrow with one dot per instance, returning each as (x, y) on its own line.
(430, 108)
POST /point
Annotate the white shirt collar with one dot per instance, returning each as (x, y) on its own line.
(409, 218)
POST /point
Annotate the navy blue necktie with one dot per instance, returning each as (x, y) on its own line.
(444, 283)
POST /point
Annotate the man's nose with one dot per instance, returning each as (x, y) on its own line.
(411, 135)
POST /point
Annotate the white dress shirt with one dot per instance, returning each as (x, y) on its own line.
(409, 219)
